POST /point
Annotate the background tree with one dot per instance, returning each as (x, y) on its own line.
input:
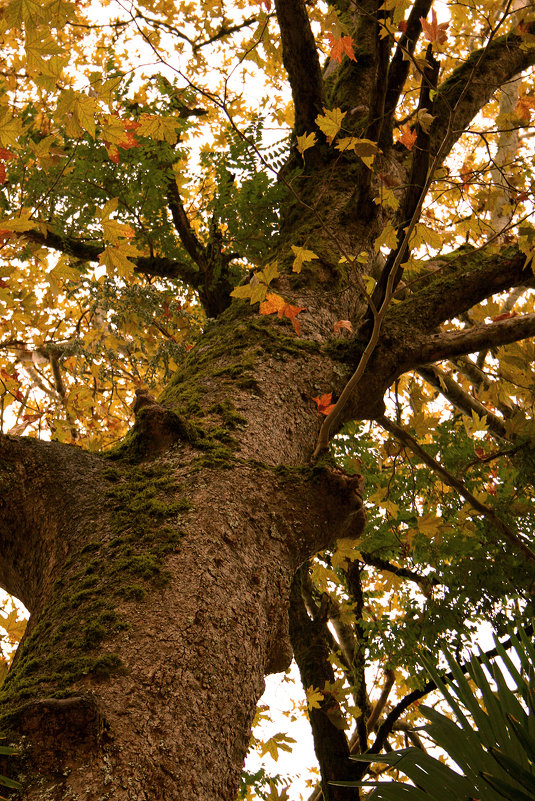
(287, 223)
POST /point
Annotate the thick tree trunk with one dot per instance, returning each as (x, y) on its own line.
(158, 581)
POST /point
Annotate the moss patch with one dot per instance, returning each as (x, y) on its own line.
(82, 617)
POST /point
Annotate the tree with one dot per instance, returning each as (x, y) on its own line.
(271, 293)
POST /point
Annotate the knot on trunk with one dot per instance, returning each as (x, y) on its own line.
(61, 726)
(158, 427)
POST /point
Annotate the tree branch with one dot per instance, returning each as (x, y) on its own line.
(463, 401)
(472, 85)
(312, 656)
(496, 522)
(449, 344)
(424, 582)
(183, 226)
(300, 58)
(462, 281)
(90, 251)
(400, 64)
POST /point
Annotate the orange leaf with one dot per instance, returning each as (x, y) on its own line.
(523, 108)
(433, 31)
(3, 173)
(343, 324)
(274, 304)
(128, 142)
(504, 316)
(408, 136)
(291, 313)
(340, 47)
(324, 403)
(6, 155)
(113, 153)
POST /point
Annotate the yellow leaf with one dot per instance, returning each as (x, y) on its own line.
(305, 142)
(429, 525)
(10, 128)
(114, 230)
(364, 148)
(314, 697)
(301, 256)
(116, 261)
(388, 238)
(346, 551)
(29, 12)
(279, 742)
(268, 273)
(18, 224)
(163, 129)
(330, 122)
(77, 112)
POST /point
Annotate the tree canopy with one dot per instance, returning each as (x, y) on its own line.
(266, 280)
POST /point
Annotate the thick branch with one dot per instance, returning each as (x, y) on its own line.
(90, 251)
(424, 582)
(400, 64)
(460, 283)
(301, 61)
(311, 653)
(183, 226)
(472, 85)
(449, 344)
(489, 514)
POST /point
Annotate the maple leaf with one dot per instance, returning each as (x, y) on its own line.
(302, 255)
(408, 136)
(340, 47)
(434, 31)
(113, 153)
(524, 107)
(275, 304)
(314, 697)
(330, 122)
(163, 129)
(425, 119)
(324, 403)
(343, 324)
(305, 142)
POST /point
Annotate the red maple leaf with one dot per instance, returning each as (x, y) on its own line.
(343, 324)
(340, 47)
(324, 403)
(433, 31)
(275, 304)
(408, 136)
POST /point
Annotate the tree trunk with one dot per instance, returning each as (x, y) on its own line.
(158, 578)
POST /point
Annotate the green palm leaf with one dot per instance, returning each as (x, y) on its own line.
(491, 738)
